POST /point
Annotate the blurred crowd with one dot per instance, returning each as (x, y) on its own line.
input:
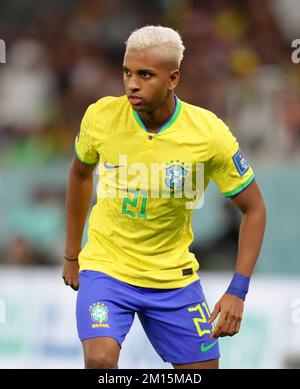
(63, 55)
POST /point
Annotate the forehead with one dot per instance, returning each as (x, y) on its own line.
(135, 59)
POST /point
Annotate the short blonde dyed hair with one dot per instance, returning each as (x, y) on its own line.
(164, 38)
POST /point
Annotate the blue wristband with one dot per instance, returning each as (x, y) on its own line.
(239, 285)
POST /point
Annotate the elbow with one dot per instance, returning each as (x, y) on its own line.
(260, 207)
(259, 210)
(257, 207)
(264, 211)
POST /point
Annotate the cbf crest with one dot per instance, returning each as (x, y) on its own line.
(99, 314)
(175, 175)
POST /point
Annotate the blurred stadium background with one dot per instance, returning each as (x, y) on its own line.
(64, 54)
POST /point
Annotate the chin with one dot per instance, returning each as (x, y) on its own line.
(140, 108)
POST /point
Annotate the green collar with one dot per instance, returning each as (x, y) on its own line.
(167, 124)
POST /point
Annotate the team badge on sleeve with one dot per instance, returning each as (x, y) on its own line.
(240, 163)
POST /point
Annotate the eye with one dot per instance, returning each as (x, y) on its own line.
(146, 75)
(126, 72)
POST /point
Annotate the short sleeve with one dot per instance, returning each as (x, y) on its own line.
(84, 141)
(227, 165)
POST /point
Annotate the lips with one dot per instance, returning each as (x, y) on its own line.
(135, 100)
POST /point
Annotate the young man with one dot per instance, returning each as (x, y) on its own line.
(136, 259)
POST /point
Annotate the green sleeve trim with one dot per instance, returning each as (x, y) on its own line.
(83, 162)
(241, 187)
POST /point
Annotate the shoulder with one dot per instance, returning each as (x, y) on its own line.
(108, 105)
(99, 116)
(202, 116)
(218, 136)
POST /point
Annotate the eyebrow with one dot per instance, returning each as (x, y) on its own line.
(140, 71)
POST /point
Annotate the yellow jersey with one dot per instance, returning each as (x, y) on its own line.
(140, 229)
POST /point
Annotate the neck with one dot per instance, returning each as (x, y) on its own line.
(155, 119)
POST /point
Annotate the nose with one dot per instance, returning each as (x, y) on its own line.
(133, 85)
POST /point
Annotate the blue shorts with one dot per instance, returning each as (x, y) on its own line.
(174, 320)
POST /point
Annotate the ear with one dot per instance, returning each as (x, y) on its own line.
(174, 77)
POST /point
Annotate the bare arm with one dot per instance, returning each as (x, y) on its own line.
(252, 228)
(79, 193)
(251, 203)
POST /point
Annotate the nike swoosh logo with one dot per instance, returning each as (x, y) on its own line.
(111, 166)
(206, 348)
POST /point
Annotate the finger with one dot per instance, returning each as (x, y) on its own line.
(229, 328)
(228, 331)
(238, 326)
(65, 281)
(232, 325)
(74, 287)
(219, 328)
(216, 333)
(232, 330)
(220, 324)
(229, 324)
(214, 314)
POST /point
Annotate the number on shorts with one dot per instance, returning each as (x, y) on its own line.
(202, 319)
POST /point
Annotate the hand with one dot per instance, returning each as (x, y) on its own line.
(231, 309)
(70, 274)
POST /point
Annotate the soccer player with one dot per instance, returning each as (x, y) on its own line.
(136, 259)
